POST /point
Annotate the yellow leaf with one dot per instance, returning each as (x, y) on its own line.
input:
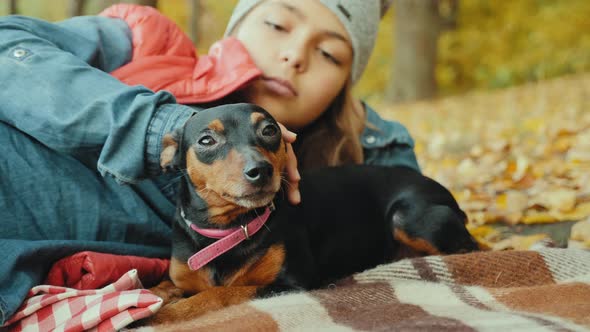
(501, 202)
(519, 242)
(580, 212)
(562, 144)
(562, 200)
(536, 217)
(522, 165)
(535, 124)
(482, 231)
(516, 201)
(581, 231)
(486, 236)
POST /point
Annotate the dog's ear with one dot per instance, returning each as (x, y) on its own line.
(170, 156)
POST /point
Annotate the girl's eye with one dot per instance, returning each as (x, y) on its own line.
(207, 141)
(330, 57)
(274, 26)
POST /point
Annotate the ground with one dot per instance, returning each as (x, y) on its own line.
(517, 160)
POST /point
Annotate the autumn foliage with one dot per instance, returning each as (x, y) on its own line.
(498, 44)
(516, 156)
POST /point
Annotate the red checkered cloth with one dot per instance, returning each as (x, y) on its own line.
(52, 308)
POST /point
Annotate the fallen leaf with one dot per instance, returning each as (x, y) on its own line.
(520, 242)
(536, 217)
(562, 200)
(580, 212)
(581, 231)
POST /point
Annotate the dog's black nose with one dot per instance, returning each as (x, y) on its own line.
(258, 173)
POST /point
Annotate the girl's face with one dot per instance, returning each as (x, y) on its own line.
(305, 54)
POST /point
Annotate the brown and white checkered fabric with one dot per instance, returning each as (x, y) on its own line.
(544, 290)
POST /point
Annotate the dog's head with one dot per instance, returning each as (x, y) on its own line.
(233, 156)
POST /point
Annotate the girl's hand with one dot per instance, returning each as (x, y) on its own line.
(293, 176)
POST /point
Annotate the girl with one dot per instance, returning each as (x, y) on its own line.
(80, 149)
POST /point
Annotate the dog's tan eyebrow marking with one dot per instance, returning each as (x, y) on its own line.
(418, 244)
(216, 125)
(256, 117)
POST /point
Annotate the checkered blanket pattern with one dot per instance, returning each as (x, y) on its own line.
(539, 290)
(52, 308)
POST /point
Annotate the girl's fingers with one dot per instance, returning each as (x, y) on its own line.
(288, 135)
(293, 177)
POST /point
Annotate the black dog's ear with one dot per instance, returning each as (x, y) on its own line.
(170, 156)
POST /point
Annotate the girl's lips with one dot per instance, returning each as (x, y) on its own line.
(279, 86)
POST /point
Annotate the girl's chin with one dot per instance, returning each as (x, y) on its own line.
(282, 110)
(276, 108)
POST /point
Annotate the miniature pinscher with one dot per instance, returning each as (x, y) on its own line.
(236, 237)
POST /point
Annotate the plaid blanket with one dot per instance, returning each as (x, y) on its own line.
(542, 290)
(55, 308)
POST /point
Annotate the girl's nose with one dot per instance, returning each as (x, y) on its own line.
(294, 58)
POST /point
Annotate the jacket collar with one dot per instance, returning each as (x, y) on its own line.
(380, 133)
(168, 61)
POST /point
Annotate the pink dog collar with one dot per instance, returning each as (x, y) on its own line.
(229, 238)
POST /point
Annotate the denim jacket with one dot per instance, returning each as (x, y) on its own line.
(387, 143)
(79, 150)
(126, 151)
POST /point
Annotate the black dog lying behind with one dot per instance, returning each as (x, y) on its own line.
(351, 218)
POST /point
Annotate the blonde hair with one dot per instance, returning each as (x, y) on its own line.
(334, 138)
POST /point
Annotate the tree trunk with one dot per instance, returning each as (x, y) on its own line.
(12, 8)
(449, 13)
(76, 7)
(195, 10)
(417, 28)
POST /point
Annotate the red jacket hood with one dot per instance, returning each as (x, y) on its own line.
(164, 58)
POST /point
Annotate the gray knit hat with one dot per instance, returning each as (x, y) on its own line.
(359, 17)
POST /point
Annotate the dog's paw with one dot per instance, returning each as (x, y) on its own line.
(176, 311)
(168, 292)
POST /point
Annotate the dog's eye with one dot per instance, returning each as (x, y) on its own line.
(270, 130)
(207, 141)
